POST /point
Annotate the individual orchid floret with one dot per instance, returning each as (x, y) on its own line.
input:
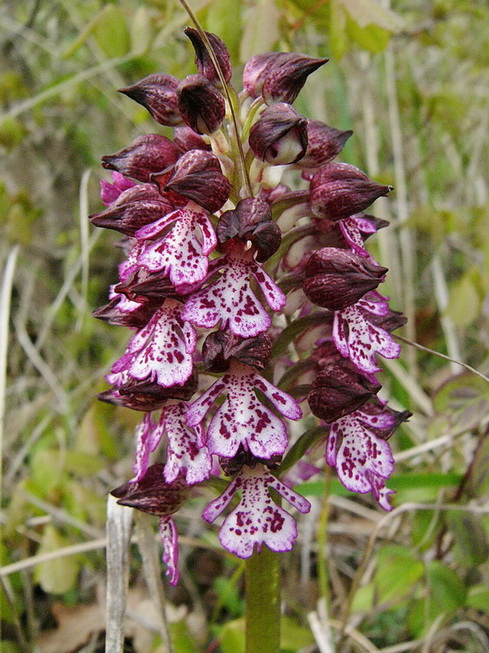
(151, 494)
(187, 455)
(280, 135)
(339, 389)
(180, 253)
(146, 154)
(158, 94)
(196, 176)
(337, 278)
(242, 419)
(324, 143)
(203, 60)
(220, 347)
(147, 396)
(358, 338)
(201, 104)
(109, 192)
(256, 520)
(186, 139)
(251, 220)
(363, 459)
(278, 76)
(134, 208)
(339, 190)
(160, 352)
(357, 228)
(230, 300)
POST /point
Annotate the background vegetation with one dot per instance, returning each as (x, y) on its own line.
(413, 83)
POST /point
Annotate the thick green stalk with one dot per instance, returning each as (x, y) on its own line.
(263, 602)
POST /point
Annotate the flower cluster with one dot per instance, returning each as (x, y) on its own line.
(220, 257)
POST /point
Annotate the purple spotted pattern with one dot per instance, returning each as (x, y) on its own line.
(212, 250)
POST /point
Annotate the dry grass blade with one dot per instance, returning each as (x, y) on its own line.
(5, 296)
(152, 573)
(119, 524)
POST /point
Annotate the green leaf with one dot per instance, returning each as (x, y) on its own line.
(233, 636)
(398, 570)
(363, 600)
(470, 541)
(478, 483)
(47, 470)
(111, 31)
(370, 12)
(59, 575)
(371, 37)
(447, 592)
(261, 29)
(224, 19)
(141, 32)
(181, 638)
(337, 30)
(464, 303)
(294, 637)
(478, 598)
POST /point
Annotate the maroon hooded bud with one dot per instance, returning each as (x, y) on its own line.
(387, 418)
(278, 76)
(220, 346)
(323, 144)
(145, 155)
(232, 466)
(338, 390)
(201, 104)
(144, 284)
(338, 190)
(197, 175)
(137, 318)
(251, 220)
(337, 278)
(134, 208)
(280, 135)
(147, 396)
(390, 322)
(152, 494)
(158, 94)
(203, 60)
(187, 139)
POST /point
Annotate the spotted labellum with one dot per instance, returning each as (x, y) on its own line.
(209, 279)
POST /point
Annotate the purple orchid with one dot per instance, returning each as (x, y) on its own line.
(257, 519)
(242, 419)
(212, 239)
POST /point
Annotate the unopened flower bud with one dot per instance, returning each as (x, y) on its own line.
(158, 94)
(145, 155)
(280, 135)
(197, 175)
(203, 60)
(278, 76)
(186, 139)
(251, 220)
(147, 396)
(338, 190)
(220, 346)
(134, 208)
(201, 104)
(152, 494)
(337, 278)
(323, 144)
(338, 391)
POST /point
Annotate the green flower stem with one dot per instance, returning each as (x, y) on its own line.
(263, 602)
